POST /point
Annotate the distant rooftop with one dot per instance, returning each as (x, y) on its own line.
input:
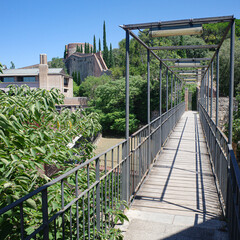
(30, 72)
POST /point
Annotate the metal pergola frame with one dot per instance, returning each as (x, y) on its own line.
(205, 106)
(129, 27)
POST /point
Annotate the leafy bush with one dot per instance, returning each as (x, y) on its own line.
(32, 134)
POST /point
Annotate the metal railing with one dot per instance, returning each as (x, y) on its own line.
(226, 170)
(89, 193)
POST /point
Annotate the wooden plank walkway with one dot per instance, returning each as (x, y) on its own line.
(178, 199)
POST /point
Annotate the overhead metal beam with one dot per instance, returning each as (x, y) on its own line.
(188, 66)
(185, 59)
(184, 47)
(189, 71)
(178, 22)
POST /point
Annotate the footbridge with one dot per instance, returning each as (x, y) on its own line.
(175, 178)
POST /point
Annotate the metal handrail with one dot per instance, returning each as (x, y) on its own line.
(226, 171)
(111, 178)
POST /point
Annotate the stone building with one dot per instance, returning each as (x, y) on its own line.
(87, 64)
(71, 48)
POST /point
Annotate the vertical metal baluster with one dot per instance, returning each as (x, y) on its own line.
(45, 214)
(118, 173)
(77, 210)
(171, 90)
(166, 89)
(211, 89)
(21, 220)
(208, 91)
(105, 181)
(102, 204)
(98, 194)
(112, 180)
(94, 220)
(62, 197)
(83, 210)
(88, 199)
(70, 209)
(55, 230)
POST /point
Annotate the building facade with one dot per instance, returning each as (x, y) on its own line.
(38, 77)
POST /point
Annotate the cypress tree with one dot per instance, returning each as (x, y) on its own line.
(99, 45)
(85, 47)
(110, 57)
(79, 79)
(105, 48)
(94, 44)
(81, 50)
(65, 52)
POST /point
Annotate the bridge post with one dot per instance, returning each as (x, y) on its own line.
(175, 95)
(205, 94)
(171, 90)
(217, 85)
(208, 92)
(231, 82)
(126, 150)
(160, 101)
(160, 90)
(186, 99)
(166, 89)
(211, 89)
(148, 107)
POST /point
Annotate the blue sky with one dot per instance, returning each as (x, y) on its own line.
(30, 27)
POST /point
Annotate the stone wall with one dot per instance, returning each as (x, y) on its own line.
(223, 106)
(87, 64)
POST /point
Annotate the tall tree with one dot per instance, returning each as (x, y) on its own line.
(78, 78)
(65, 52)
(94, 45)
(111, 63)
(105, 48)
(85, 47)
(81, 49)
(99, 45)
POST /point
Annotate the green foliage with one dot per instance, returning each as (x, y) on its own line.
(111, 61)
(65, 52)
(117, 215)
(75, 89)
(57, 63)
(94, 44)
(105, 48)
(236, 121)
(99, 45)
(76, 78)
(88, 87)
(34, 134)
(224, 62)
(1, 68)
(12, 65)
(213, 32)
(78, 49)
(108, 100)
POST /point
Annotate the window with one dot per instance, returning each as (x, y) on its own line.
(8, 79)
(29, 79)
(65, 90)
(65, 82)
